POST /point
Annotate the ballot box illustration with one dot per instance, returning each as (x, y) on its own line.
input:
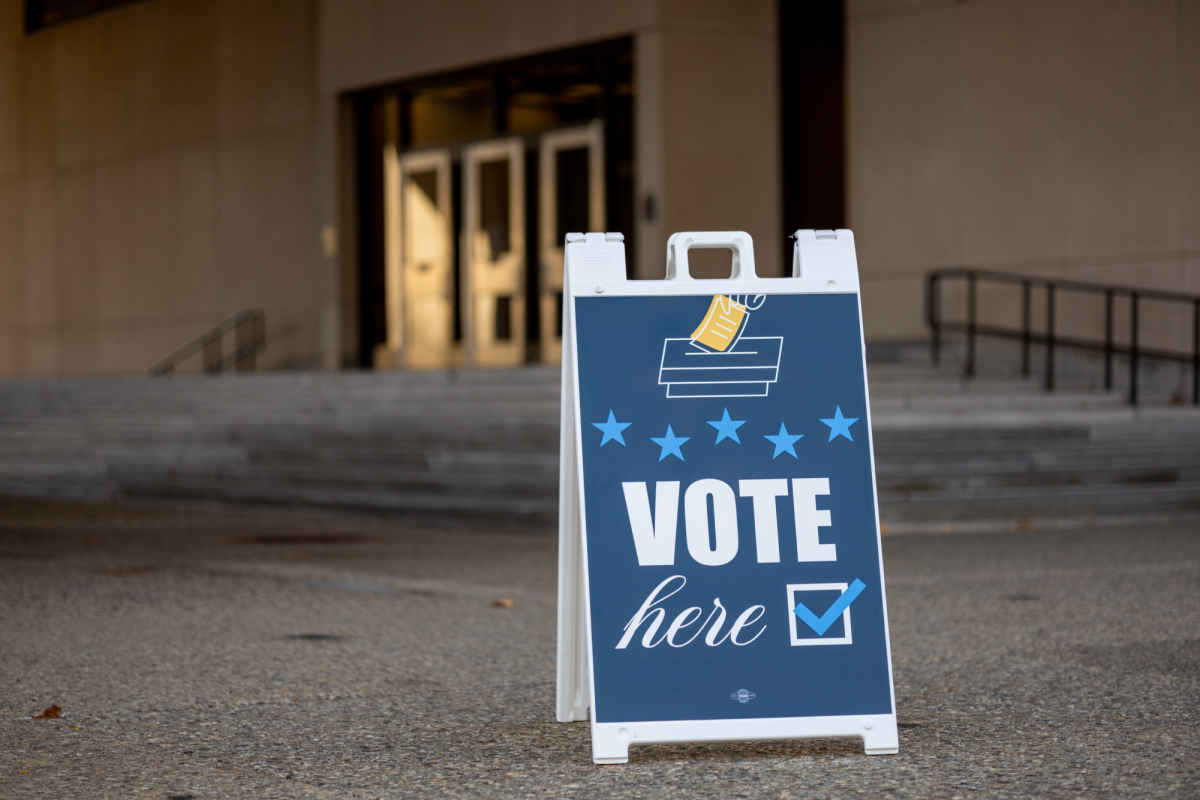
(746, 369)
(716, 360)
(720, 569)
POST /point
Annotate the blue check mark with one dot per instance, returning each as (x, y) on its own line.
(822, 623)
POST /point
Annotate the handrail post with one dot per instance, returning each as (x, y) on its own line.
(244, 347)
(1108, 338)
(1049, 337)
(1133, 348)
(934, 316)
(254, 322)
(211, 354)
(1025, 325)
(970, 368)
(260, 334)
(1196, 351)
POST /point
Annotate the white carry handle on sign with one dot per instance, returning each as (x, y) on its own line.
(720, 568)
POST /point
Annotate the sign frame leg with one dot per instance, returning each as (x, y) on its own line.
(573, 686)
(883, 739)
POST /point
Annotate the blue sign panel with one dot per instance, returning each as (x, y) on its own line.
(732, 552)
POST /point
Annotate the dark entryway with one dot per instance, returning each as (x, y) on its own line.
(523, 151)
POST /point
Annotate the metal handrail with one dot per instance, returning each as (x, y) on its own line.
(1051, 338)
(249, 327)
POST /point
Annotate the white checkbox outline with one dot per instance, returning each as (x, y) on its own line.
(793, 620)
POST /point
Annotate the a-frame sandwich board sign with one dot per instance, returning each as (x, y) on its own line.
(720, 568)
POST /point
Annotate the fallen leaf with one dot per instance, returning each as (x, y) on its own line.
(53, 712)
(503, 602)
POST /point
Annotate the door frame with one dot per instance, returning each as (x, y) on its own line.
(550, 250)
(481, 350)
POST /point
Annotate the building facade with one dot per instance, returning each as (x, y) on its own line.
(389, 180)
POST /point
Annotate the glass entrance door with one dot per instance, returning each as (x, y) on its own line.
(420, 260)
(571, 201)
(493, 259)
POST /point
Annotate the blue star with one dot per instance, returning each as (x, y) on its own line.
(612, 429)
(839, 425)
(669, 444)
(727, 428)
(784, 442)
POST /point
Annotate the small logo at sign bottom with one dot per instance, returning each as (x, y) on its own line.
(743, 696)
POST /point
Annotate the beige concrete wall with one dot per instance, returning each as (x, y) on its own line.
(165, 163)
(708, 129)
(707, 142)
(370, 42)
(159, 169)
(1049, 137)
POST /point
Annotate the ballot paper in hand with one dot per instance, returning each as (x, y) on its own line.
(722, 324)
(725, 322)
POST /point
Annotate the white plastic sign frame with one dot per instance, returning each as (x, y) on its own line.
(823, 263)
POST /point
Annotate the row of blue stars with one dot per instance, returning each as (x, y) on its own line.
(726, 429)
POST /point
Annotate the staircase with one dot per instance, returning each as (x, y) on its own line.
(481, 447)
(1000, 453)
(436, 446)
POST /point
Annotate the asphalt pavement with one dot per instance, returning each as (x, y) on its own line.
(198, 653)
